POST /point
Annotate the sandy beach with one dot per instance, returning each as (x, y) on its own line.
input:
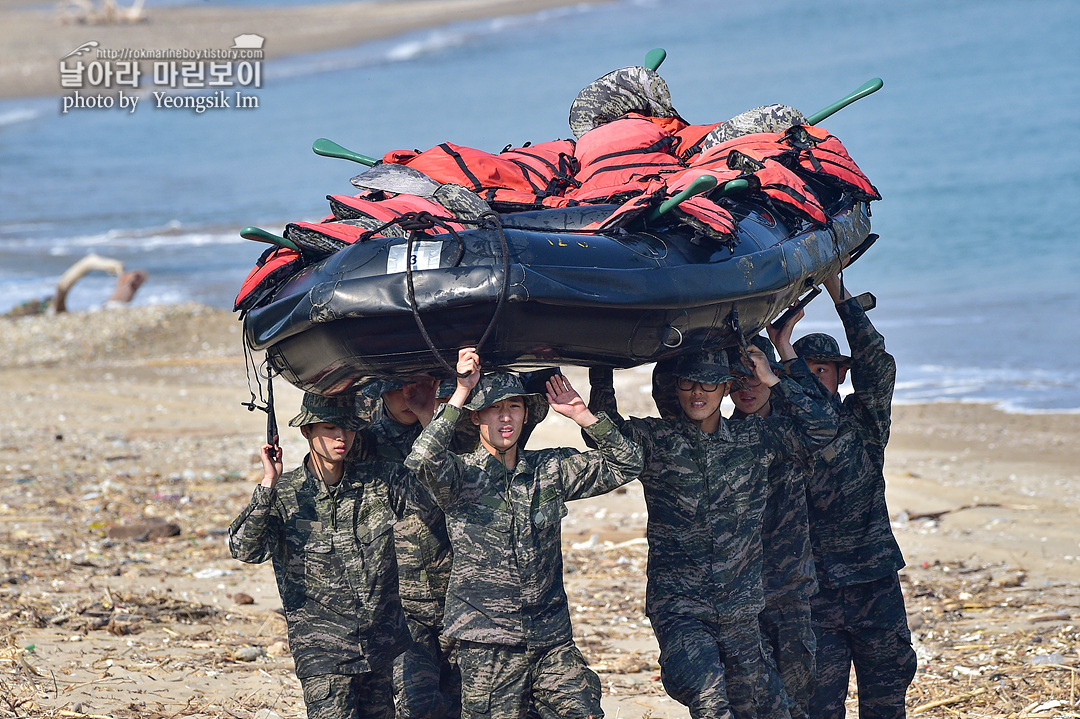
(35, 35)
(126, 452)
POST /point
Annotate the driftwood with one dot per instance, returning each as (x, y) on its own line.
(912, 516)
(948, 700)
(127, 284)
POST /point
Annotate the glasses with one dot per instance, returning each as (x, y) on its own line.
(687, 385)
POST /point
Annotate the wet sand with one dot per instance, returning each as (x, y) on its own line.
(125, 453)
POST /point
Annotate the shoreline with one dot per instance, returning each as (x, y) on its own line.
(33, 39)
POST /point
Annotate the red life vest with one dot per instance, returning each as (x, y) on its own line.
(699, 212)
(689, 137)
(518, 178)
(822, 153)
(274, 266)
(759, 155)
(549, 166)
(349, 207)
(323, 238)
(619, 158)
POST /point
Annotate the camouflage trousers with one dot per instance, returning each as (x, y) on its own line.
(427, 682)
(500, 682)
(865, 626)
(718, 672)
(789, 639)
(349, 696)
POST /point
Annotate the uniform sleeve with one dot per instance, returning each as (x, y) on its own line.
(873, 372)
(431, 460)
(813, 420)
(615, 461)
(405, 492)
(255, 534)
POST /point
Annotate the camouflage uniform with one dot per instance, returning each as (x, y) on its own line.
(427, 681)
(858, 613)
(706, 496)
(788, 563)
(333, 555)
(506, 604)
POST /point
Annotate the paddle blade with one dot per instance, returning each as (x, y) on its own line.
(655, 57)
(871, 86)
(329, 148)
(260, 235)
(702, 183)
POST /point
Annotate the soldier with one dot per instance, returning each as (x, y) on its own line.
(706, 481)
(506, 604)
(427, 681)
(328, 527)
(788, 566)
(858, 613)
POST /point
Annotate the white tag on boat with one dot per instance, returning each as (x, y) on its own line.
(425, 256)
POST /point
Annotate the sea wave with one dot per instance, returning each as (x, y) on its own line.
(147, 239)
(16, 115)
(414, 45)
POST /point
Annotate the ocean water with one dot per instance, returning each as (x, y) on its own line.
(972, 143)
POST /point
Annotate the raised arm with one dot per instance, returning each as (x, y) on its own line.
(873, 369)
(254, 536)
(431, 460)
(799, 397)
(615, 461)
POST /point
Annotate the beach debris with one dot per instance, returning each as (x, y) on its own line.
(144, 530)
(127, 284)
(248, 654)
(105, 12)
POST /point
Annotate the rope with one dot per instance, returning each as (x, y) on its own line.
(495, 220)
(268, 401)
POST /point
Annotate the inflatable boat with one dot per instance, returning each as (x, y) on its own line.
(392, 283)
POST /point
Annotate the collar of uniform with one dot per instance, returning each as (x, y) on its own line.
(722, 433)
(322, 490)
(491, 463)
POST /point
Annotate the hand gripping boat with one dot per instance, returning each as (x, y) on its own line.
(703, 258)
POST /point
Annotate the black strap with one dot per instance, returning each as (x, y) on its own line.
(505, 248)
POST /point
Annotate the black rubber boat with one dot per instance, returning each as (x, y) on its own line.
(555, 296)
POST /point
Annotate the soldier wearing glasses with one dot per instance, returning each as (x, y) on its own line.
(706, 482)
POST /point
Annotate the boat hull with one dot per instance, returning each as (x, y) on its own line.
(571, 297)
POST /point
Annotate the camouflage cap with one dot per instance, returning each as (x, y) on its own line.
(378, 386)
(498, 386)
(820, 347)
(446, 388)
(339, 411)
(707, 366)
(631, 89)
(739, 367)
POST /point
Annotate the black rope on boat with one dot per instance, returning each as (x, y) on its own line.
(733, 321)
(267, 402)
(488, 218)
(419, 222)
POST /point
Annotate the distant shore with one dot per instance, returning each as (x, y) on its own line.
(34, 37)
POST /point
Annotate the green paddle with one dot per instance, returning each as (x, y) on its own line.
(701, 184)
(871, 86)
(654, 58)
(254, 233)
(329, 148)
